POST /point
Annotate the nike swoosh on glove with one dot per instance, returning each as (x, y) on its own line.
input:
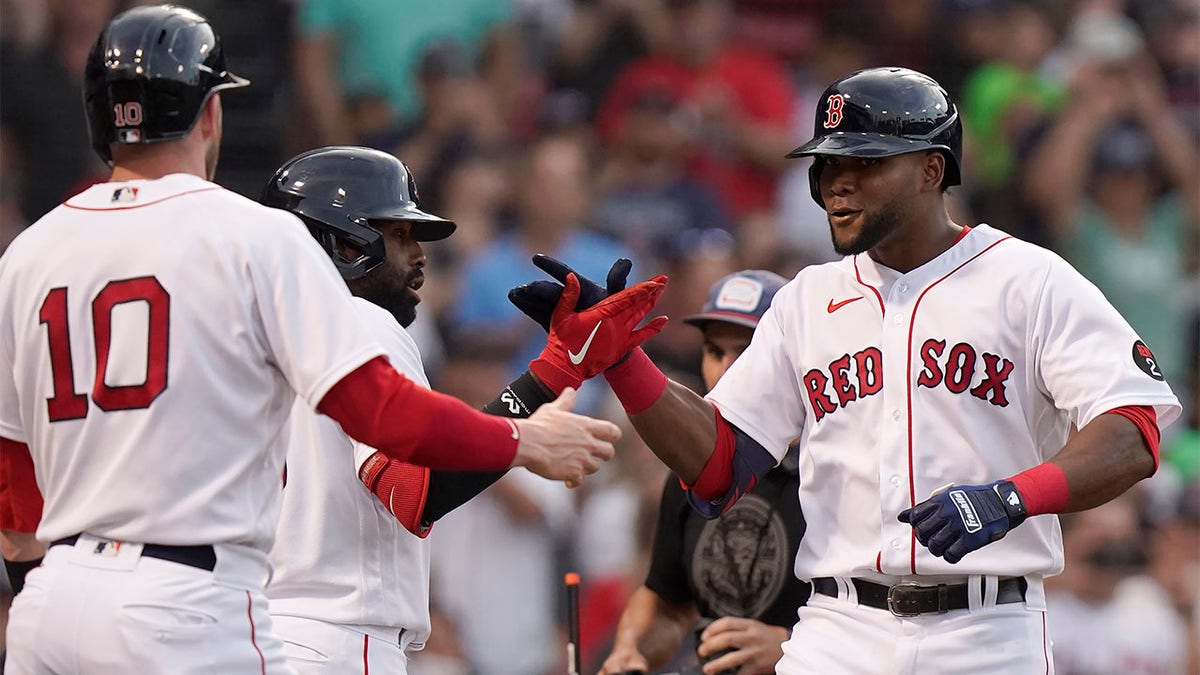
(965, 518)
(582, 344)
(538, 299)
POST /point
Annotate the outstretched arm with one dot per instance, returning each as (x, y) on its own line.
(718, 461)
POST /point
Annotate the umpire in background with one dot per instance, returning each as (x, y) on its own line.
(729, 579)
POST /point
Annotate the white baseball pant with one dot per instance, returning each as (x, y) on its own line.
(314, 647)
(97, 607)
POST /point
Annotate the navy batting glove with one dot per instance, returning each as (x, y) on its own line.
(537, 299)
(954, 522)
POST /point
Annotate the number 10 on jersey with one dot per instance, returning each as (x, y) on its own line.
(66, 404)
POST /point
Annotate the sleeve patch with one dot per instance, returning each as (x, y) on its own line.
(1144, 359)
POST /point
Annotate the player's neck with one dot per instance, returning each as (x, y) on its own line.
(915, 244)
(150, 163)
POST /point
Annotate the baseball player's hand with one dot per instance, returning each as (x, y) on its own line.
(756, 646)
(582, 344)
(538, 299)
(624, 659)
(954, 522)
(556, 443)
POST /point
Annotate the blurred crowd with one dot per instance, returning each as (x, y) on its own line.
(656, 130)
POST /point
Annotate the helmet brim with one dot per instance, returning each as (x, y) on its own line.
(426, 226)
(859, 144)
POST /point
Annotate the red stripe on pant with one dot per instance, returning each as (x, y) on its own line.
(366, 666)
(250, 614)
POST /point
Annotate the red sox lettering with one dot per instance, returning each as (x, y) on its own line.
(851, 377)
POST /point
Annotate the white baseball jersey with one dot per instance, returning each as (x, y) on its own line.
(968, 369)
(339, 555)
(153, 336)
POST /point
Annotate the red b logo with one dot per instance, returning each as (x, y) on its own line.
(833, 114)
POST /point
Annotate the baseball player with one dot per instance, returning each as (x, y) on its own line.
(732, 573)
(933, 377)
(350, 588)
(154, 332)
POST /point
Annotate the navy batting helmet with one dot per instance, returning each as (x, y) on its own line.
(880, 112)
(149, 75)
(338, 190)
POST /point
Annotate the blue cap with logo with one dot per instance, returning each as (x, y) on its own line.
(740, 298)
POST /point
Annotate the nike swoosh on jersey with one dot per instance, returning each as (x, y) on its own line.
(833, 307)
(578, 358)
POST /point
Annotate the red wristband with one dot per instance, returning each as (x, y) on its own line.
(637, 382)
(1043, 488)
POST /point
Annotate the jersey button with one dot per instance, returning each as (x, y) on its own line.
(903, 288)
(898, 320)
(896, 415)
(896, 543)
(895, 481)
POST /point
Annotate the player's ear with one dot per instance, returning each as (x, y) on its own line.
(209, 123)
(933, 170)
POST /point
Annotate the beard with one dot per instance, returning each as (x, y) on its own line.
(875, 227)
(387, 287)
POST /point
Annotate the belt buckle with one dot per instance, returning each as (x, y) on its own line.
(893, 602)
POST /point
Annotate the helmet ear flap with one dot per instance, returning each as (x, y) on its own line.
(814, 180)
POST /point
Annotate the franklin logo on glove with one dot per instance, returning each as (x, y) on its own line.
(970, 518)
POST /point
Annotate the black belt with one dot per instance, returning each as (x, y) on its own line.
(911, 599)
(202, 557)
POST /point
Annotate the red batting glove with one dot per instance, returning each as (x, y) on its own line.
(585, 343)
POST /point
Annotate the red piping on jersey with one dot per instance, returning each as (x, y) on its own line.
(879, 562)
(912, 320)
(138, 206)
(250, 614)
(874, 290)
(366, 666)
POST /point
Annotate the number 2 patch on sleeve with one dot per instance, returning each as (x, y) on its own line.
(1145, 360)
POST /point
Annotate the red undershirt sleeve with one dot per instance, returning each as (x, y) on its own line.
(1147, 423)
(378, 406)
(20, 498)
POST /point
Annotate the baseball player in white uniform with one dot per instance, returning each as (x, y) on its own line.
(932, 376)
(154, 333)
(350, 590)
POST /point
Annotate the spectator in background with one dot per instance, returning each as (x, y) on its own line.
(495, 559)
(1003, 101)
(1174, 37)
(39, 111)
(369, 50)
(733, 574)
(739, 104)
(648, 201)
(1093, 178)
(554, 196)
(601, 37)
(457, 114)
(617, 510)
(1105, 616)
